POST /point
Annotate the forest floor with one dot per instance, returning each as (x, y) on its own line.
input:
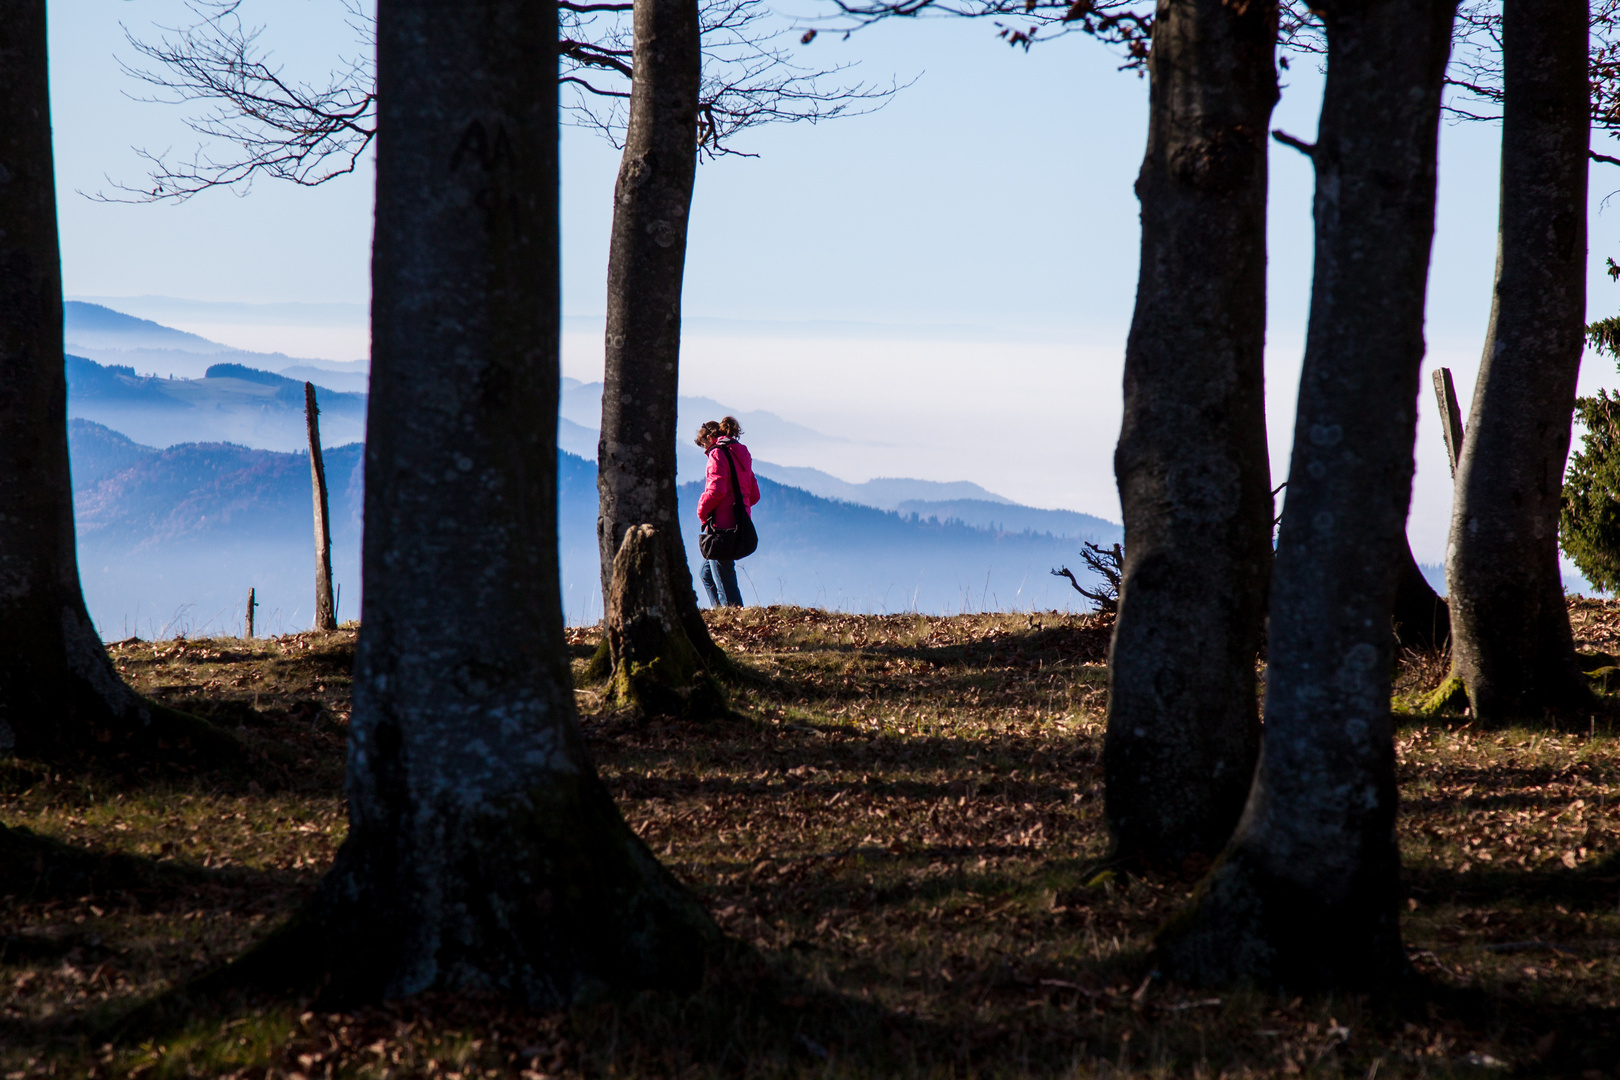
(899, 817)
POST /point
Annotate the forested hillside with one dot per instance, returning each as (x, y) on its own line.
(229, 403)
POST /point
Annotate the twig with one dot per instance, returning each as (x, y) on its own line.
(1308, 149)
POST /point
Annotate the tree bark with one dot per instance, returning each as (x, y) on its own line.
(59, 694)
(1192, 465)
(1305, 895)
(655, 671)
(325, 613)
(483, 850)
(1514, 650)
(646, 264)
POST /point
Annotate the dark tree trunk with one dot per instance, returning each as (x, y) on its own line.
(325, 614)
(1194, 476)
(1421, 618)
(652, 200)
(1514, 650)
(58, 691)
(483, 851)
(1305, 895)
(655, 669)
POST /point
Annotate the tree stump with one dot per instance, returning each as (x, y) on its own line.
(655, 668)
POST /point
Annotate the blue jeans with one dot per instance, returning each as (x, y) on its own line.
(723, 571)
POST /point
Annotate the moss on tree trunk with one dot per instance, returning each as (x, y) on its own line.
(655, 670)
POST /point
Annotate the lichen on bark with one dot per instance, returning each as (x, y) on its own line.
(654, 668)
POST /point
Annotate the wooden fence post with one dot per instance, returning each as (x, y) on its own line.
(1450, 416)
(325, 613)
(251, 604)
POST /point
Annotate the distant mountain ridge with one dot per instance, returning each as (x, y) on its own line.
(181, 533)
(236, 403)
(580, 412)
(229, 403)
(170, 540)
(111, 337)
(95, 327)
(193, 486)
(134, 348)
(884, 492)
(1009, 517)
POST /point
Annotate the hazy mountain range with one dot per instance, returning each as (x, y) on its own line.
(111, 337)
(190, 488)
(171, 539)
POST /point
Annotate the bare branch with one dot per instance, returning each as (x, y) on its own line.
(260, 123)
(1475, 70)
(1308, 149)
(749, 79)
(591, 55)
(1124, 24)
(1106, 563)
(589, 88)
(281, 128)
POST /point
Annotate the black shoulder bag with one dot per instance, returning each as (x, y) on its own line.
(737, 543)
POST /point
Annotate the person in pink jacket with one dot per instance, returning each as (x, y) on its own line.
(716, 506)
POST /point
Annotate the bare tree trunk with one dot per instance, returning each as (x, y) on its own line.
(1194, 476)
(58, 691)
(1421, 617)
(1305, 895)
(646, 264)
(483, 851)
(325, 614)
(655, 669)
(1514, 650)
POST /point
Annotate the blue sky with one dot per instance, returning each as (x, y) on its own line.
(974, 241)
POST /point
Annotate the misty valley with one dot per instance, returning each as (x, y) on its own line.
(191, 487)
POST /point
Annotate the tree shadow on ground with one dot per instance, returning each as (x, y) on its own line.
(1596, 884)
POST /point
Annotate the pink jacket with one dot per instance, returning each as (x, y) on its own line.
(717, 498)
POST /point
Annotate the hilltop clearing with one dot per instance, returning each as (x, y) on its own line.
(899, 819)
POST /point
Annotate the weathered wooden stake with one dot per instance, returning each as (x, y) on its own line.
(325, 612)
(1450, 416)
(251, 604)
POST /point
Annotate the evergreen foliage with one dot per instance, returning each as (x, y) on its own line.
(1589, 519)
(1604, 335)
